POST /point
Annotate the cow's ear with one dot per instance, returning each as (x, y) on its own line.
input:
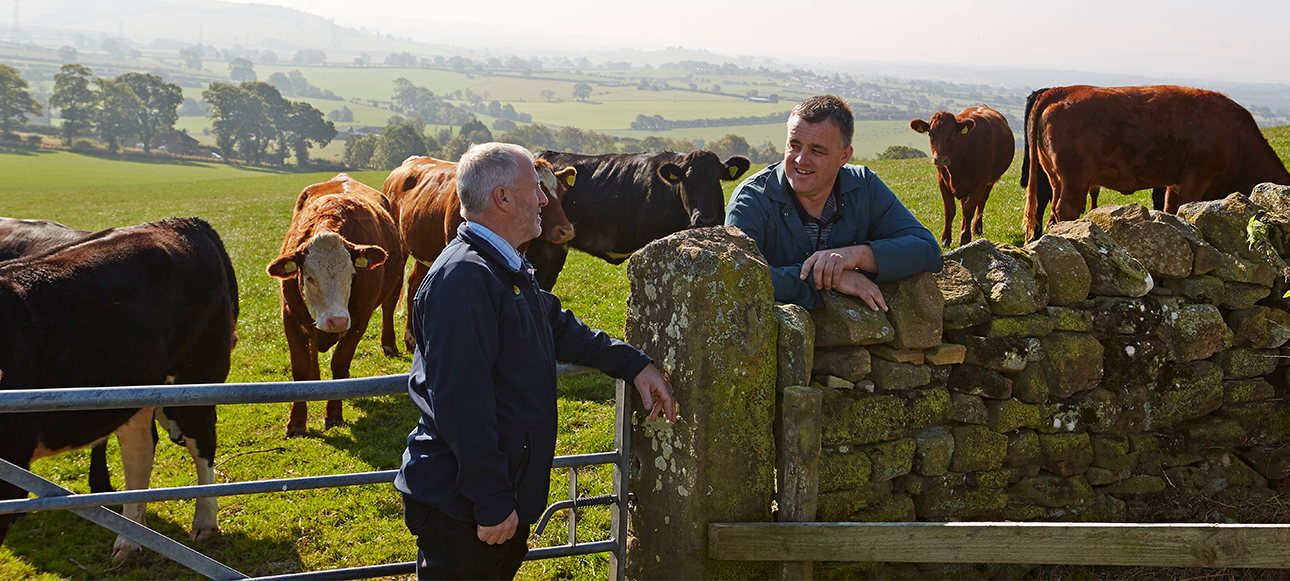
(735, 167)
(966, 126)
(671, 173)
(920, 126)
(367, 257)
(567, 176)
(286, 266)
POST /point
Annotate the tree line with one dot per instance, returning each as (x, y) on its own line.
(655, 122)
(132, 105)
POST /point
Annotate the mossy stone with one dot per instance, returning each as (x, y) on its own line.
(1066, 454)
(842, 471)
(934, 448)
(977, 449)
(1053, 491)
(890, 459)
(1006, 415)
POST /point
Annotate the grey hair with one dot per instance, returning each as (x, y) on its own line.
(483, 168)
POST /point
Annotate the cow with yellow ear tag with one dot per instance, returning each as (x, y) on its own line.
(340, 259)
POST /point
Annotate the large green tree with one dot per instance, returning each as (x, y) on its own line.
(581, 91)
(15, 103)
(237, 115)
(159, 104)
(279, 112)
(307, 127)
(534, 137)
(118, 114)
(359, 150)
(75, 100)
(397, 143)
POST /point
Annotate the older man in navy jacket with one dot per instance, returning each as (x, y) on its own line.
(477, 467)
(823, 224)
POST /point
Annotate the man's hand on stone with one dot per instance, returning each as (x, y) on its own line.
(826, 267)
(856, 284)
(655, 392)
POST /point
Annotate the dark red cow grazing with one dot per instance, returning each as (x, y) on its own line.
(1199, 144)
(334, 274)
(624, 201)
(424, 193)
(971, 151)
(147, 305)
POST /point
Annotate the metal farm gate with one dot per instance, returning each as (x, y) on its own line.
(91, 506)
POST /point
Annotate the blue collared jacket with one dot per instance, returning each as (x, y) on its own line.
(483, 377)
(871, 214)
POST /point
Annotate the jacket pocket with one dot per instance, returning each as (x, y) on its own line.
(522, 470)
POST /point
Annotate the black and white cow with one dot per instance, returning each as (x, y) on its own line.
(145, 305)
(621, 202)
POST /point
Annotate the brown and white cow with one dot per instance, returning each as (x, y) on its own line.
(1199, 144)
(146, 305)
(424, 193)
(971, 152)
(341, 258)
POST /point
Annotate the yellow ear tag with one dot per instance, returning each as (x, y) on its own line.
(360, 262)
(569, 180)
(733, 171)
(671, 176)
(289, 267)
(966, 129)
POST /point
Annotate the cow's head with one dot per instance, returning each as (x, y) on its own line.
(325, 271)
(556, 227)
(945, 133)
(699, 176)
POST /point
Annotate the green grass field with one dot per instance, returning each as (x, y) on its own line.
(344, 527)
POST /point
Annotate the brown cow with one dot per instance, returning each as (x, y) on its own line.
(341, 257)
(971, 151)
(1199, 144)
(424, 194)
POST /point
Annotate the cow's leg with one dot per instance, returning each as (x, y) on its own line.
(194, 428)
(304, 367)
(100, 477)
(340, 360)
(548, 259)
(948, 201)
(1158, 199)
(389, 345)
(973, 208)
(138, 448)
(419, 271)
(1092, 197)
(1191, 188)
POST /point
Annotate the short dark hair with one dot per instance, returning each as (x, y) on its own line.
(830, 107)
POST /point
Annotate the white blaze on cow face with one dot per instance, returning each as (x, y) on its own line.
(546, 179)
(326, 278)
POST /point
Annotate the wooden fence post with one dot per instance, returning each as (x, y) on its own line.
(798, 464)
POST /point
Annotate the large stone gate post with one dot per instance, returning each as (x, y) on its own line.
(703, 307)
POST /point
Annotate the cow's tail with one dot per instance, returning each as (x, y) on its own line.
(1037, 199)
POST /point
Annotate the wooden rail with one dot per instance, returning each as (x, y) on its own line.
(1127, 544)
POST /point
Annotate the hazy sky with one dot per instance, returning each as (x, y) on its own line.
(1241, 40)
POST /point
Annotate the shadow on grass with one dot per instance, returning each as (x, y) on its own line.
(17, 151)
(68, 546)
(379, 435)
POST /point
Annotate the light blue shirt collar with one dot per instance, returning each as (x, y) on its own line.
(513, 258)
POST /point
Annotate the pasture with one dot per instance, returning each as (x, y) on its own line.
(345, 527)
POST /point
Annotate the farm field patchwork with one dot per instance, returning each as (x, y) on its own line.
(322, 529)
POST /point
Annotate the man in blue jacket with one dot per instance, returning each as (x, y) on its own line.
(477, 467)
(823, 224)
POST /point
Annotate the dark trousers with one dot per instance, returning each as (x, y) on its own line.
(448, 548)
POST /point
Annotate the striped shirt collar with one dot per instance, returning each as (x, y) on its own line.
(512, 256)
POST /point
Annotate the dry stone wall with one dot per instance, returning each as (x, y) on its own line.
(1126, 367)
